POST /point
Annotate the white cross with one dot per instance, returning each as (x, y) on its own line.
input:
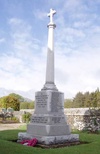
(52, 12)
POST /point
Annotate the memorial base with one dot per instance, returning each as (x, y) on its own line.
(48, 123)
(49, 140)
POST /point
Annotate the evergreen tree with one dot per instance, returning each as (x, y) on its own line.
(78, 101)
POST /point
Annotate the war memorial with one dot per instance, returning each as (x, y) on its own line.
(48, 122)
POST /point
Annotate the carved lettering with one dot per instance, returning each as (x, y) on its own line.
(39, 120)
(56, 119)
(41, 100)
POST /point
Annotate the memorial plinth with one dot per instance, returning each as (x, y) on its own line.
(48, 118)
(48, 122)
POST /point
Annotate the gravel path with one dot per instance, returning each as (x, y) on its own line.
(9, 126)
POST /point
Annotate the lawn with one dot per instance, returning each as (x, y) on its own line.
(9, 147)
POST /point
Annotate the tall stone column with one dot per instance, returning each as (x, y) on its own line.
(49, 83)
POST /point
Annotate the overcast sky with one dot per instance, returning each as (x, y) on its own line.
(23, 44)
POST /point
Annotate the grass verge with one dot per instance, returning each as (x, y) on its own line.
(8, 147)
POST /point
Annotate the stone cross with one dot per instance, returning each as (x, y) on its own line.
(52, 12)
(49, 84)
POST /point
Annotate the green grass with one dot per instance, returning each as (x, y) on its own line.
(8, 147)
(23, 127)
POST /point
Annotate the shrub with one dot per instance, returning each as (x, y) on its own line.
(26, 117)
(15, 119)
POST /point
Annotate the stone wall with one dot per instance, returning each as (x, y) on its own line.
(80, 118)
(77, 118)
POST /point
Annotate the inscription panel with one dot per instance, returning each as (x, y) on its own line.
(56, 120)
(39, 120)
(41, 100)
(56, 102)
(49, 120)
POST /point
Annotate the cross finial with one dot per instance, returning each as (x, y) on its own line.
(52, 12)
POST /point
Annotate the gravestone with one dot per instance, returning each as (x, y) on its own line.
(48, 123)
